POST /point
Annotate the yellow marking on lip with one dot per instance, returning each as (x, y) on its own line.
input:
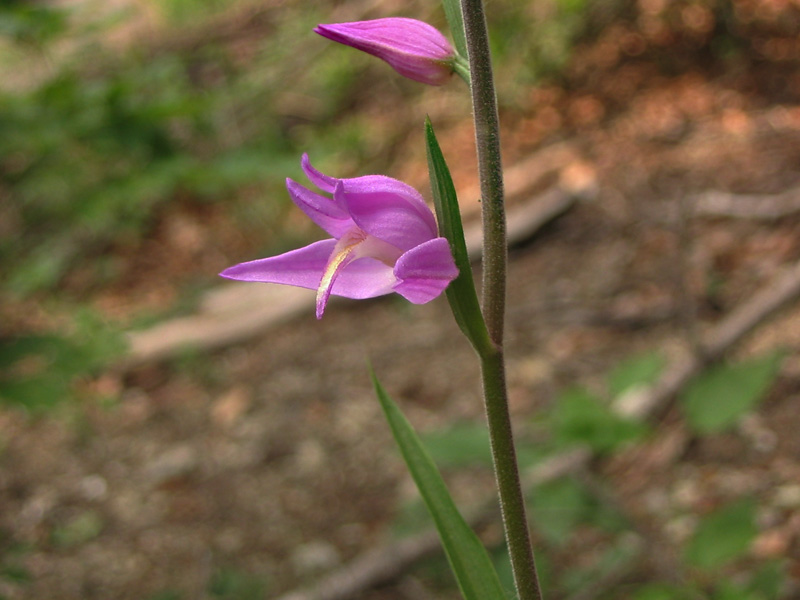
(330, 271)
(337, 262)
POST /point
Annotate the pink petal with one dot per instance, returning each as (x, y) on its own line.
(324, 182)
(388, 209)
(425, 271)
(364, 278)
(302, 267)
(324, 211)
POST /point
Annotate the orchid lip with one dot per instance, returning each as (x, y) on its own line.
(343, 251)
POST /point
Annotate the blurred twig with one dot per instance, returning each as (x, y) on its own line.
(760, 207)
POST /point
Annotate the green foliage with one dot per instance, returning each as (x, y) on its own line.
(764, 584)
(455, 20)
(12, 554)
(559, 507)
(78, 530)
(580, 418)
(722, 536)
(767, 582)
(613, 557)
(536, 40)
(89, 161)
(461, 292)
(643, 369)
(38, 371)
(718, 397)
(179, 11)
(468, 558)
(232, 584)
(26, 23)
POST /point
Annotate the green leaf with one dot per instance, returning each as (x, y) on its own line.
(461, 292)
(768, 581)
(606, 561)
(557, 508)
(38, 371)
(639, 370)
(580, 418)
(721, 395)
(455, 20)
(732, 591)
(723, 535)
(468, 558)
(232, 584)
(15, 574)
(82, 528)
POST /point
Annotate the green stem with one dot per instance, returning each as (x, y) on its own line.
(506, 470)
(461, 67)
(495, 251)
(490, 168)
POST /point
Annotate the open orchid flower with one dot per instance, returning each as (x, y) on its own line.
(383, 239)
(413, 48)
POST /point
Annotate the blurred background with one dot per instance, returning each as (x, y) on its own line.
(166, 435)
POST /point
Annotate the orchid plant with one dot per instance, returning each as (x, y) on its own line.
(384, 239)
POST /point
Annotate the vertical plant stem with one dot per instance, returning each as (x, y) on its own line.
(490, 168)
(504, 455)
(495, 252)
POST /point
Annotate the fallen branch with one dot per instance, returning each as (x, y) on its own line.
(748, 206)
(379, 566)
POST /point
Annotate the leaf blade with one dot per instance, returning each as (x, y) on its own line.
(718, 397)
(461, 292)
(471, 565)
(455, 20)
(723, 536)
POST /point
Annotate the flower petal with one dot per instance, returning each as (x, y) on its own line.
(425, 271)
(364, 278)
(324, 182)
(324, 211)
(388, 209)
(302, 267)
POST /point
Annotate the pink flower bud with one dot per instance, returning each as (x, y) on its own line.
(414, 49)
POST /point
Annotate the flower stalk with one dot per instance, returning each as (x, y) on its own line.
(495, 253)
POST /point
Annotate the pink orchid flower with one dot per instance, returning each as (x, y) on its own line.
(383, 239)
(414, 49)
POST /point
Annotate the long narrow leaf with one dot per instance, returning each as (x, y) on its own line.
(461, 292)
(452, 11)
(472, 567)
